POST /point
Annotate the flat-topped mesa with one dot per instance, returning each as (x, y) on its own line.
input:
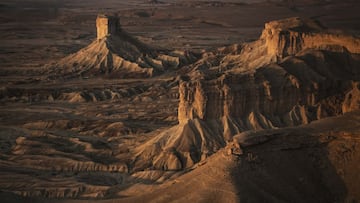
(107, 25)
(316, 66)
(290, 36)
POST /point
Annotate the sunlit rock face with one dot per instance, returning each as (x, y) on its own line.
(352, 99)
(301, 73)
(107, 25)
(290, 36)
(294, 74)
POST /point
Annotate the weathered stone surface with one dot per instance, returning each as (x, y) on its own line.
(286, 93)
(294, 74)
(107, 25)
(352, 99)
(297, 72)
(292, 35)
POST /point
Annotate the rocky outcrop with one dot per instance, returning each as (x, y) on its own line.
(290, 36)
(297, 72)
(294, 74)
(116, 54)
(107, 25)
(288, 92)
(352, 99)
(179, 147)
(285, 94)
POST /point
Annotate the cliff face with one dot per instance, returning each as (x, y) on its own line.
(312, 70)
(107, 25)
(290, 36)
(294, 74)
(284, 94)
(352, 99)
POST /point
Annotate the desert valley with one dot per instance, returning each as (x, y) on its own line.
(179, 101)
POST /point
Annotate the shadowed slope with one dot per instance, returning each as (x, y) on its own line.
(256, 86)
(312, 163)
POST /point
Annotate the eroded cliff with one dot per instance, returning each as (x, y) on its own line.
(290, 36)
(297, 72)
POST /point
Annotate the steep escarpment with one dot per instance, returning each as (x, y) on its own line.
(289, 93)
(296, 73)
(289, 36)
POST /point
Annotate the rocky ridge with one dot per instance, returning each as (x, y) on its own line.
(297, 72)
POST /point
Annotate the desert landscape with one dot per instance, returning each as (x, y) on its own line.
(180, 101)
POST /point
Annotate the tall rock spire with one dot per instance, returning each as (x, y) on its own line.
(107, 25)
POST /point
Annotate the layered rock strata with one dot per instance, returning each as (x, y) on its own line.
(290, 36)
(297, 72)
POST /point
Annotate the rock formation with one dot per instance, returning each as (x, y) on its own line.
(307, 70)
(297, 72)
(290, 36)
(107, 25)
(117, 54)
(240, 109)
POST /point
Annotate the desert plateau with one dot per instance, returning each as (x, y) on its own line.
(179, 101)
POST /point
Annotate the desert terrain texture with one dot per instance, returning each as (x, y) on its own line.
(179, 101)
